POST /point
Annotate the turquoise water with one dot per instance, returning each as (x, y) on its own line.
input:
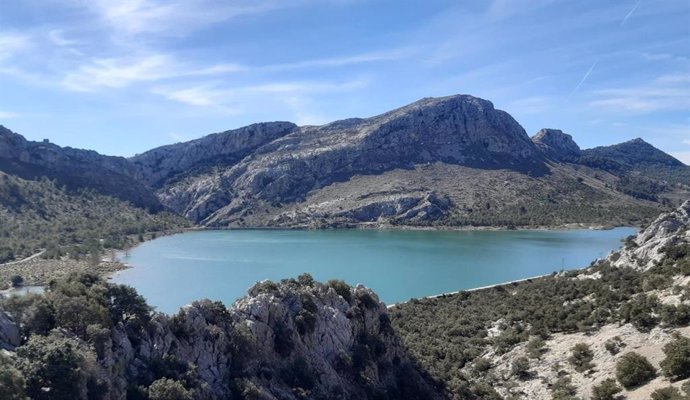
(221, 265)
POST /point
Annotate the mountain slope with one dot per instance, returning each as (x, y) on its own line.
(447, 161)
(74, 168)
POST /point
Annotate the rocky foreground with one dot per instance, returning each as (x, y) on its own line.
(298, 339)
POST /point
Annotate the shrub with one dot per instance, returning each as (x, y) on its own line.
(581, 357)
(634, 370)
(667, 393)
(614, 345)
(563, 389)
(677, 362)
(342, 288)
(606, 390)
(11, 380)
(168, 389)
(535, 347)
(481, 364)
(520, 368)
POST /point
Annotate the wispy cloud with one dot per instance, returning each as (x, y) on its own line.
(11, 44)
(630, 13)
(378, 56)
(663, 93)
(121, 72)
(176, 17)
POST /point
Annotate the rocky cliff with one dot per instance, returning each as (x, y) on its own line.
(297, 339)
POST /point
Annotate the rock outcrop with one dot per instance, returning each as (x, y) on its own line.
(557, 145)
(647, 248)
(296, 339)
(9, 332)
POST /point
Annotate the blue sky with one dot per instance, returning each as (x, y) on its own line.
(123, 76)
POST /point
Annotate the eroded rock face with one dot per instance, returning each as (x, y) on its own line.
(556, 144)
(281, 341)
(9, 332)
(668, 229)
(462, 130)
(217, 150)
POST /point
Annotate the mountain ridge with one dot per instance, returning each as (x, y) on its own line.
(447, 161)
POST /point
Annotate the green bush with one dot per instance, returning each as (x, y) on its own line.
(634, 370)
(581, 357)
(16, 281)
(667, 393)
(606, 390)
(676, 365)
(11, 380)
(168, 389)
(342, 288)
(614, 345)
(520, 368)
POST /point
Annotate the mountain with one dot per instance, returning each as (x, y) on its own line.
(76, 169)
(449, 161)
(446, 161)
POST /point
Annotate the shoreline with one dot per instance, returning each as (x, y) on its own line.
(476, 289)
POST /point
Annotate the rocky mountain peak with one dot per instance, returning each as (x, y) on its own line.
(556, 144)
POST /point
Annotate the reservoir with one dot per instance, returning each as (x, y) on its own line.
(398, 264)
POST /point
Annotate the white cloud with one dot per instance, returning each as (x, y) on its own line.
(121, 72)
(531, 105)
(176, 17)
(371, 57)
(12, 44)
(666, 92)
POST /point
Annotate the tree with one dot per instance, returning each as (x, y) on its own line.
(168, 389)
(55, 368)
(11, 380)
(633, 370)
(677, 362)
(606, 390)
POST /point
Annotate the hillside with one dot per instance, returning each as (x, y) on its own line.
(562, 336)
(44, 215)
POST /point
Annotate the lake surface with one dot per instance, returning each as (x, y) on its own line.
(221, 265)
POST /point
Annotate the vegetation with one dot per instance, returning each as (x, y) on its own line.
(40, 215)
(606, 390)
(676, 365)
(634, 370)
(449, 333)
(581, 357)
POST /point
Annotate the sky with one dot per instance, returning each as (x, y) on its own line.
(123, 76)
